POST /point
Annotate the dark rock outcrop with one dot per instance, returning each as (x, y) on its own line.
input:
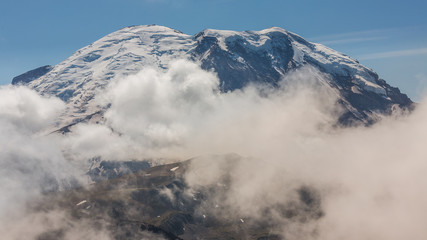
(31, 75)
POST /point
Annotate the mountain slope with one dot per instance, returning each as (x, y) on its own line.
(239, 58)
(158, 200)
(266, 56)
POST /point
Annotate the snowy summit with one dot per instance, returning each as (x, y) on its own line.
(238, 58)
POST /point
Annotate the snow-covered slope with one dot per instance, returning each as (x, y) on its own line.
(266, 56)
(238, 58)
(78, 79)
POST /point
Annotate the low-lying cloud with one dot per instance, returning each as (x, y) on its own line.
(340, 183)
(181, 113)
(31, 163)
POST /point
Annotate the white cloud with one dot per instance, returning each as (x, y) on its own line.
(393, 54)
(26, 110)
(357, 33)
(181, 112)
(351, 40)
(359, 36)
(370, 182)
(30, 164)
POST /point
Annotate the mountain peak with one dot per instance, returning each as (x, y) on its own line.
(229, 33)
(216, 32)
(238, 58)
(153, 28)
(273, 29)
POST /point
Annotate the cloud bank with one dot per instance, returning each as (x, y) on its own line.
(31, 164)
(292, 169)
(181, 113)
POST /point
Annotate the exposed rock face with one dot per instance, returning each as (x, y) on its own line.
(101, 170)
(158, 201)
(32, 75)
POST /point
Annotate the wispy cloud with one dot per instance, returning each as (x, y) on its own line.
(392, 54)
(352, 40)
(352, 34)
(359, 36)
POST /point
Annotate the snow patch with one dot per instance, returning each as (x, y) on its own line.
(173, 169)
(82, 202)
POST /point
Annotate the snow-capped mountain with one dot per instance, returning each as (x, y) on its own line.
(238, 58)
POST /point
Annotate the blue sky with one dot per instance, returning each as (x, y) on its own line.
(388, 36)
